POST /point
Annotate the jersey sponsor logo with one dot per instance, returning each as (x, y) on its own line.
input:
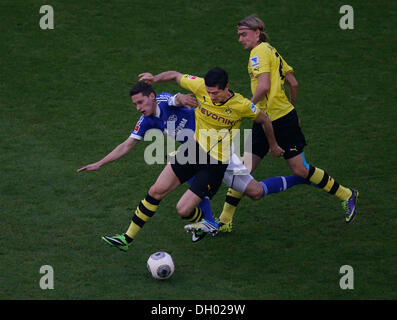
(254, 61)
(216, 117)
(173, 117)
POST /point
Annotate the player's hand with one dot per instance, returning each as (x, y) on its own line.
(188, 100)
(90, 167)
(276, 151)
(146, 77)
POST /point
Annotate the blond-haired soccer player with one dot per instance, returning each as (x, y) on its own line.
(268, 72)
(219, 111)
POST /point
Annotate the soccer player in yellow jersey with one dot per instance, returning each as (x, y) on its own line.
(220, 111)
(268, 72)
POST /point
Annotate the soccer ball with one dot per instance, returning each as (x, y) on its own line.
(160, 265)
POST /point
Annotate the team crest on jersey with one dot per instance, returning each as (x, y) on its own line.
(228, 111)
(254, 61)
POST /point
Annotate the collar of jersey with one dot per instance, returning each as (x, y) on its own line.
(220, 104)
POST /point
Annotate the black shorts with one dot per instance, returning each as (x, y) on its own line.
(288, 135)
(207, 171)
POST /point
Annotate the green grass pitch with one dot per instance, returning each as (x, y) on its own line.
(64, 103)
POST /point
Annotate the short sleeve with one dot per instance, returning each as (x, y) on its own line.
(192, 83)
(250, 110)
(260, 62)
(140, 129)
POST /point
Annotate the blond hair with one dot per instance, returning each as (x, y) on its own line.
(252, 22)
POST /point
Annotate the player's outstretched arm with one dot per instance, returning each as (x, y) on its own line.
(167, 76)
(274, 149)
(120, 151)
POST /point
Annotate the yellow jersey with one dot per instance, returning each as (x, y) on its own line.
(215, 123)
(265, 59)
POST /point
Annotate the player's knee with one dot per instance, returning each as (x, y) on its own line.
(156, 192)
(183, 211)
(300, 171)
(254, 191)
(256, 194)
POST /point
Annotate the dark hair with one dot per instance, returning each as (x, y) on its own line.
(216, 77)
(142, 87)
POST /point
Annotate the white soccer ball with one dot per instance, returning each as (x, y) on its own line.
(160, 265)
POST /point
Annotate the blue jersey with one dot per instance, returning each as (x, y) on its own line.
(177, 122)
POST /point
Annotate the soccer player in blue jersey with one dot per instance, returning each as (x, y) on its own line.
(160, 112)
(169, 114)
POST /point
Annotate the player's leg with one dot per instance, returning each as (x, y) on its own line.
(256, 147)
(258, 189)
(237, 178)
(281, 183)
(233, 197)
(188, 208)
(206, 184)
(205, 207)
(321, 179)
(166, 183)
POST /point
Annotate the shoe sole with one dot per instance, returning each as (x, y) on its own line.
(212, 233)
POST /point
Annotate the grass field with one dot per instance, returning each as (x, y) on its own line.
(64, 103)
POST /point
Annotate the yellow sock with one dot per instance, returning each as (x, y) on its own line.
(133, 229)
(195, 216)
(233, 198)
(343, 193)
(145, 210)
(320, 178)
